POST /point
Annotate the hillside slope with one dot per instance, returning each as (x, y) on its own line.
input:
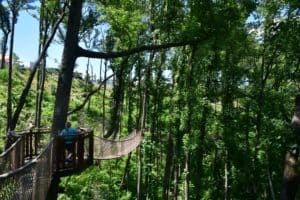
(89, 118)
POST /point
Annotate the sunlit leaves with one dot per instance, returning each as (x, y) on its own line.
(124, 19)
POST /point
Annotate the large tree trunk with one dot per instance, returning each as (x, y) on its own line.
(68, 62)
(291, 176)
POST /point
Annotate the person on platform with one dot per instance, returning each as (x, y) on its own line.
(69, 134)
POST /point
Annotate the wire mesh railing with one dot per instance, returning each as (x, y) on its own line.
(30, 181)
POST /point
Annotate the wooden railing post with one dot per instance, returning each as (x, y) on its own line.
(80, 151)
(16, 157)
(91, 147)
(22, 148)
(60, 152)
(73, 152)
(36, 135)
(30, 144)
(26, 145)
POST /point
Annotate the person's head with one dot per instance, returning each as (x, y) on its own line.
(68, 124)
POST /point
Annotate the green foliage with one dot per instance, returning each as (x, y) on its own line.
(95, 183)
(222, 106)
(125, 20)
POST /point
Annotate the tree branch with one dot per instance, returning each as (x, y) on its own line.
(92, 54)
(89, 95)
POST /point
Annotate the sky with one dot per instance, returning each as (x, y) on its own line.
(26, 41)
(26, 45)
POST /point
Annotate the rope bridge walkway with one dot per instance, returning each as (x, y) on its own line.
(29, 165)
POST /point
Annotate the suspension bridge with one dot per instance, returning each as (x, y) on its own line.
(32, 162)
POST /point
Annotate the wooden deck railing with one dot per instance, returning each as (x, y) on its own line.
(28, 145)
(32, 179)
(82, 154)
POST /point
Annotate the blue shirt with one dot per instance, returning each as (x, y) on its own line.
(69, 134)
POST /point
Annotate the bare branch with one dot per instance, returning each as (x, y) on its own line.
(92, 54)
(90, 95)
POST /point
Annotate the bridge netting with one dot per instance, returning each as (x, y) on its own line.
(110, 149)
(29, 165)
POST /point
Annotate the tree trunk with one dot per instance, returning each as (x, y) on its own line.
(118, 97)
(9, 83)
(3, 49)
(140, 155)
(141, 125)
(40, 93)
(68, 62)
(188, 129)
(226, 173)
(41, 76)
(100, 71)
(168, 166)
(126, 172)
(88, 81)
(103, 98)
(269, 174)
(200, 151)
(187, 177)
(139, 192)
(291, 176)
(176, 176)
(130, 125)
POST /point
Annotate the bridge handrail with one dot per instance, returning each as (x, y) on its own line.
(109, 149)
(31, 162)
(30, 181)
(27, 145)
(12, 158)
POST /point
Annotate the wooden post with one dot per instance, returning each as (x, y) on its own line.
(30, 144)
(27, 145)
(16, 156)
(36, 135)
(80, 151)
(74, 143)
(22, 150)
(91, 147)
(60, 153)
